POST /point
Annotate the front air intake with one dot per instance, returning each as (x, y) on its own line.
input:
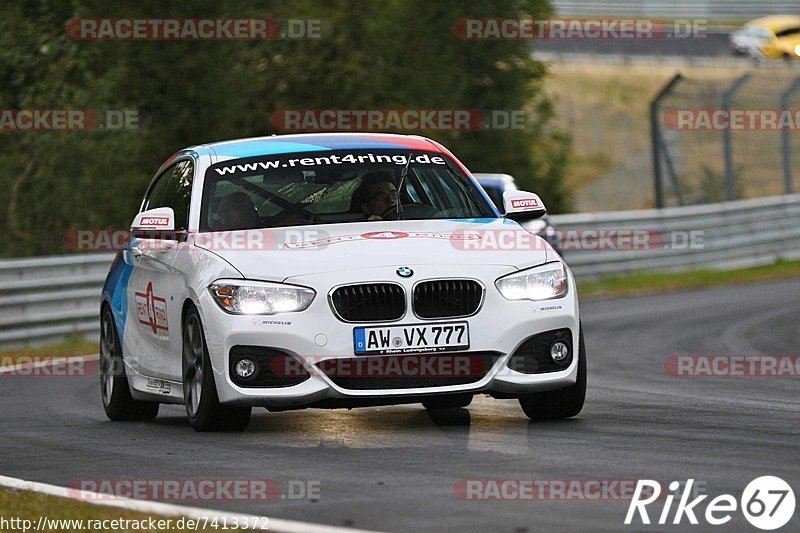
(369, 302)
(447, 298)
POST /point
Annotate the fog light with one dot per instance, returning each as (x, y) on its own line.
(245, 368)
(559, 351)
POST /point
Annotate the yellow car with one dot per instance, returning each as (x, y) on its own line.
(776, 37)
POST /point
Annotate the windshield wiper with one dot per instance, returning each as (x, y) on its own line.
(399, 205)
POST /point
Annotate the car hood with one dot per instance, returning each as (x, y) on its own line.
(280, 253)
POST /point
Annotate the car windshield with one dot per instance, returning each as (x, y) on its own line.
(337, 187)
(757, 32)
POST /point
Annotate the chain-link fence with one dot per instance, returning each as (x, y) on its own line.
(728, 139)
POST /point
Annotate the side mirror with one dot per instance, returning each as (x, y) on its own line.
(521, 205)
(156, 223)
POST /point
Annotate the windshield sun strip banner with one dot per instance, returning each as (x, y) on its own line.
(315, 159)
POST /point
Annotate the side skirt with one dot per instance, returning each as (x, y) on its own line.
(153, 389)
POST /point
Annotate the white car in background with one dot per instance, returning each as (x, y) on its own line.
(334, 270)
(496, 185)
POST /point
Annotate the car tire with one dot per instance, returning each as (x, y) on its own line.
(115, 392)
(438, 403)
(562, 403)
(203, 407)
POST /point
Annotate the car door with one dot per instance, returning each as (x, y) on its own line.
(155, 328)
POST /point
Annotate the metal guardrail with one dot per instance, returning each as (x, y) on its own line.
(45, 299)
(731, 235)
(677, 9)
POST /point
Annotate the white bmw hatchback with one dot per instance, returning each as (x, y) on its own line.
(334, 270)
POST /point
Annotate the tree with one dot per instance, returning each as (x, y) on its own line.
(392, 54)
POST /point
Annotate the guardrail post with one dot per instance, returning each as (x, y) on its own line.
(656, 139)
(727, 140)
(785, 137)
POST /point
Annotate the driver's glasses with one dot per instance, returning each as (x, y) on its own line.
(384, 196)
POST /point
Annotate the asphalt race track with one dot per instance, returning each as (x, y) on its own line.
(394, 469)
(709, 45)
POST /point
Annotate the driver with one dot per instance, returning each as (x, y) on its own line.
(375, 196)
(236, 211)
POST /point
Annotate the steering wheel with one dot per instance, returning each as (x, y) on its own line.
(292, 215)
(302, 212)
(413, 210)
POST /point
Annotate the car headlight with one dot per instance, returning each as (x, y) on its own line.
(539, 283)
(260, 297)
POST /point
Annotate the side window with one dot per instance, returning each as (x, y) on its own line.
(788, 32)
(496, 195)
(173, 188)
(156, 191)
(178, 193)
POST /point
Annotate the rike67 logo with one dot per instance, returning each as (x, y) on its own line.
(767, 503)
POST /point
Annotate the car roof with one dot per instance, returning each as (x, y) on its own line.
(776, 23)
(312, 142)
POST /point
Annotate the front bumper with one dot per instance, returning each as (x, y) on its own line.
(316, 335)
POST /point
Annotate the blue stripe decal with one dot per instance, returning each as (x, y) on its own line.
(250, 149)
(473, 220)
(115, 290)
(275, 147)
(119, 302)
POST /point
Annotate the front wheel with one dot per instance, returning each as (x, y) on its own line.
(563, 403)
(205, 411)
(117, 400)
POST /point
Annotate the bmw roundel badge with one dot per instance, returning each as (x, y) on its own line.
(405, 272)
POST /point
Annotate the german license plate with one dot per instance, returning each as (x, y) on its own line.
(414, 338)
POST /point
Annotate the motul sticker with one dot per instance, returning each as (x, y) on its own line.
(154, 221)
(522, 203)
(152, 310)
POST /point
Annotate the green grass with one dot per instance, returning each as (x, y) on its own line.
(646, 283)
(31, 506)
(69, 347)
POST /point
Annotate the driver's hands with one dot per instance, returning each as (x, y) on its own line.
(375, 217)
